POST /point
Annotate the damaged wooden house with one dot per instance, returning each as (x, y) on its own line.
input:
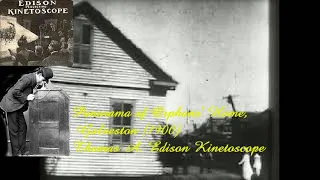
(109, 73)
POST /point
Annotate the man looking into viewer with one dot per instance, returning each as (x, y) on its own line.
(15, 102)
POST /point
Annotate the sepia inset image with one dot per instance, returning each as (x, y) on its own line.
(36, 33)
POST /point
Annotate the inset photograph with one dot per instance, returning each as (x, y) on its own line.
(34, 113)
(36, 33)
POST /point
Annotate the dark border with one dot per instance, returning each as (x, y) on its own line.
(274, 85)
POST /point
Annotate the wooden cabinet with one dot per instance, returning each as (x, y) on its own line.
(49, 123)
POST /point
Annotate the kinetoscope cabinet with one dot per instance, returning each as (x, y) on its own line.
(49, 123)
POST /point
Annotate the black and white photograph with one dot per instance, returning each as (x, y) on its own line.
(157, 90)
(36, 33)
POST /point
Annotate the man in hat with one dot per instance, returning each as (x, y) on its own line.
(15, 102)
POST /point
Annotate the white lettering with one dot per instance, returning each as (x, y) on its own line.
(10, 12)
(65, 10)
(20, 3)
(46, 3)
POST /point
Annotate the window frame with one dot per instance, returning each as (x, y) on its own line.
(83, 21)
(122, 145)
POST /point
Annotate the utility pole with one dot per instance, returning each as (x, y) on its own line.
(230, 101)
(188, 94)
(188, 109)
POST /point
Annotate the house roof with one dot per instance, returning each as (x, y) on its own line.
(124, 43)
(257, 119)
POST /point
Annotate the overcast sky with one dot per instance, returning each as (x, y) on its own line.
(215, 47)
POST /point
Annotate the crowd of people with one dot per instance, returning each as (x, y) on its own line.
(57, 52)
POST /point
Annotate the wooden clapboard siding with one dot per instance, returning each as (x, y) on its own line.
(101, 163)
(118, 70)
(110, 66)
